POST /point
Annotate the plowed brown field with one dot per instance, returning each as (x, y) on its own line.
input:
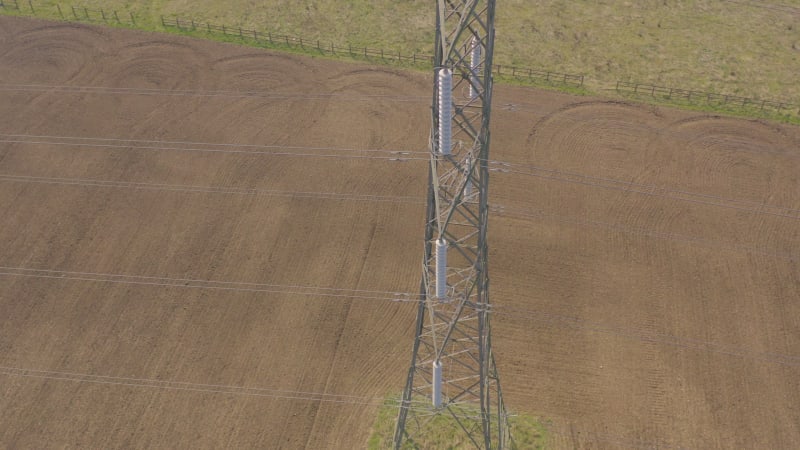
(160, 291)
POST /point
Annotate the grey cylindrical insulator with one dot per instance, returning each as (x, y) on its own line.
(474, 66)
(436, 396)
(441, 269)
(445, 111)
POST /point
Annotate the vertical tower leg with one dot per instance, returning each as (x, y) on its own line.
(453, 380)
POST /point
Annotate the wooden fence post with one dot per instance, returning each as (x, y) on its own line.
(318, 48)
(133, 21)
(116, 16)
(30, 3)
(103, 14)
(365, 52)
(415, 58)
(163, 24)
(241, 35)
(301, 42)
(269, 35)
(255, 35)
(192, 23)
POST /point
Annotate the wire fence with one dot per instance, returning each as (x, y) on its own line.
(14, 4)
(71, 12)
(522, 74)
(98, 15)
(710, 98)
(330, 48)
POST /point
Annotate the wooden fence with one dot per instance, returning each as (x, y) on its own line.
(13, 4)
(417, 59)
(711, 98)
(98, 15)
(73, 12)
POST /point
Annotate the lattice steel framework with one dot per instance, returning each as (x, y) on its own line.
(453, 373)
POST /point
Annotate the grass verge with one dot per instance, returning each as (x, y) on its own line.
(147, 16)
(528, 432)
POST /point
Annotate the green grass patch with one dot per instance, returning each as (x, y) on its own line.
(528, 432)
(736, 48)
(703, 45)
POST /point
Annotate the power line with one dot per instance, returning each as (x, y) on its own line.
(510, 107)
(645, 189)
(257, 392)
(641, 334)
(409, 155)
(295, 151)
(497, 208)
(537, 214)
(645, 335)
(186, 283)
(100, 90)
(77, 140)
(207, 189)
(199, 387)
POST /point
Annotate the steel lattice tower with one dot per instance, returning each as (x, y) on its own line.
(453, 371)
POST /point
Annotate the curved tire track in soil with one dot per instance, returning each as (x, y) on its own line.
(50, 54)
(601, 389)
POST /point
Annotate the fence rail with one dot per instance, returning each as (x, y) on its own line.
(72, 12)
(359, 51)
(97, 15)
(711, 98)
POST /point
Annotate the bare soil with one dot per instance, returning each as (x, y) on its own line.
(646, 278)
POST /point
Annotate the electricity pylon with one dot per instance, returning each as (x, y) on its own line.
(453, 381)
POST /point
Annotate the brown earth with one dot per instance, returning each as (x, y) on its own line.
(646, 286)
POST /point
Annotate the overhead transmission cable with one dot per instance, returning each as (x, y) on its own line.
(641, 334)
(408, 155)
(501, 209)
(509, 107)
